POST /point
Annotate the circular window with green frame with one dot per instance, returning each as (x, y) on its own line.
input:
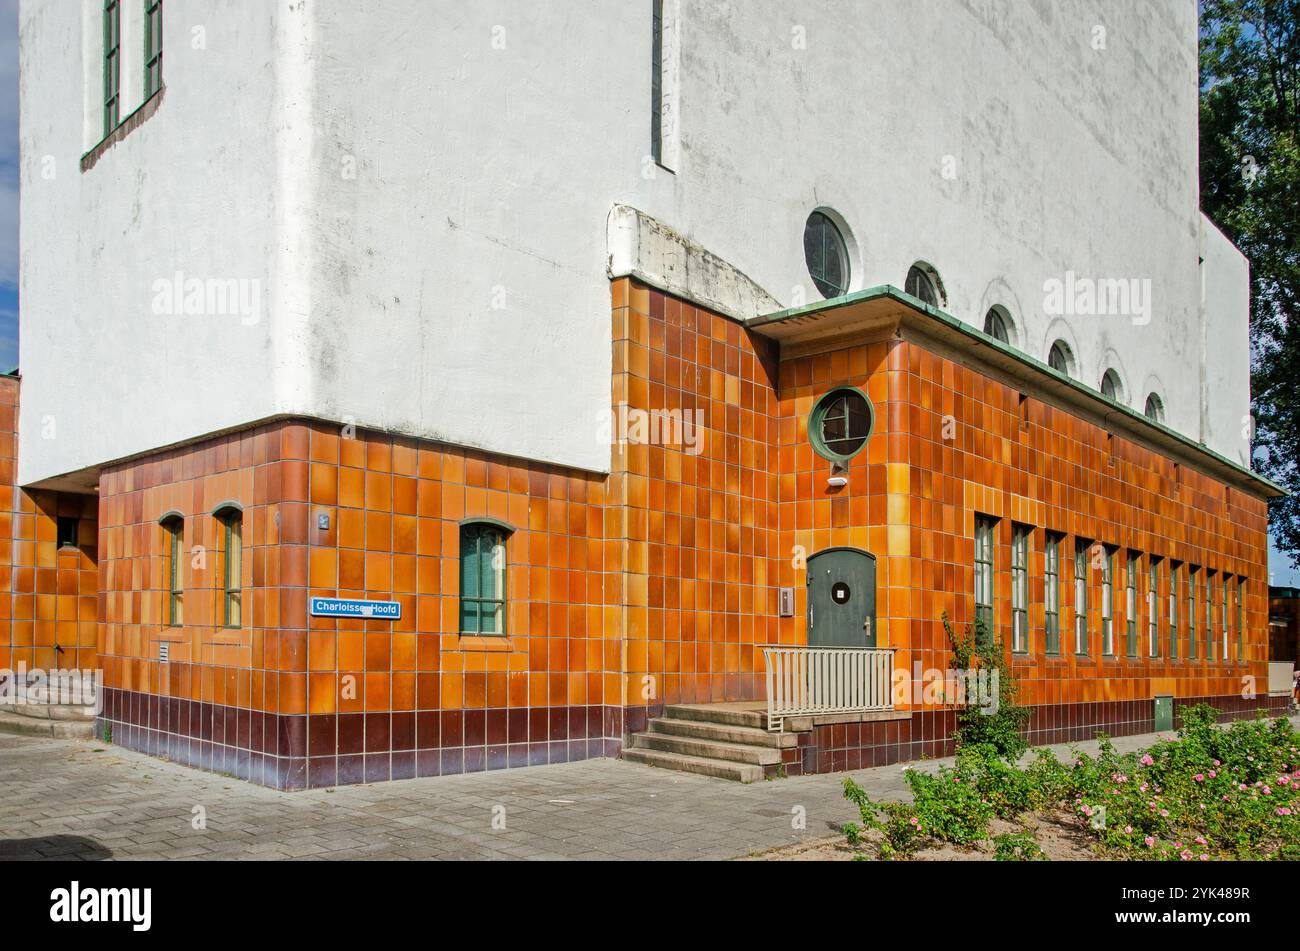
(841, 423)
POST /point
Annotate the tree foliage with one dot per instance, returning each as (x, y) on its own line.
(1250, 187)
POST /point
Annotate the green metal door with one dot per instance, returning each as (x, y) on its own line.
(1164, 714)
(842, 599)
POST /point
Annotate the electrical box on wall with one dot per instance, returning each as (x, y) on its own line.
(785, 602)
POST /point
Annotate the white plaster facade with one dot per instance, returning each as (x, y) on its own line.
(421, 190)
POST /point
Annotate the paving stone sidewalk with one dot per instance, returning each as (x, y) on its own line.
(68, 800)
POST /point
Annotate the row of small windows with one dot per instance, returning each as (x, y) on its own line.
(153, 55)
(230, 534)
(482, 572)
(1199, 608)
(827, 257)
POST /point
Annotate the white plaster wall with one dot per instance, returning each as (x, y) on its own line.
(489, 167)
(445, 172)
(193, 189)
(1225, 309)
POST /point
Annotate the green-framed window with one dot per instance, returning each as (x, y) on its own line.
(984, 532)
(1020, 589)
(1081, 547)
(1153, 607)
(483, 578)
(1175, 571)
(231, 522)
(112, 64)
(826, 255)
(1108, 602)
(657, 81)
(174, 540)
(1241, 619)
(1193, 576)
(840, 424)
(1223, 624)
(1209, 616)
(1131, 602)
(153, 46)
(1052, 593)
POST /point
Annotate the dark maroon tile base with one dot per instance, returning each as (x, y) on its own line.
(928, 734)
(302, 752)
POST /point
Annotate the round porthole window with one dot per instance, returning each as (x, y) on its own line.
(841, 424)
(827, 256)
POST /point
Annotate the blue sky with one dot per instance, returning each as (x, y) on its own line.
(8, 185)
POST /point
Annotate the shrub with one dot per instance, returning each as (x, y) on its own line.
(1016, 847)
(949, 806)
(981, 652)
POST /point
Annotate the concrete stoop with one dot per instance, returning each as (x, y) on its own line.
(718, 740)
(31, 715)
(16, 724)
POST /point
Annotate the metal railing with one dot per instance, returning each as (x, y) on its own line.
(812, 681)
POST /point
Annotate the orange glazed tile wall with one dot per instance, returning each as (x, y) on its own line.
(913, 497)
(47, 594)
(722, 530)
(698, 529)
(1065, 475)
(321, 687)
(655, 584)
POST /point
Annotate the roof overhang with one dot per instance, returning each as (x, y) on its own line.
(888, 311)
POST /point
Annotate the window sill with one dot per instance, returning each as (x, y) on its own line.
(482, 644)
(124, 128)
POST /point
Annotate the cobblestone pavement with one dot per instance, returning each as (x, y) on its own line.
(68, 800)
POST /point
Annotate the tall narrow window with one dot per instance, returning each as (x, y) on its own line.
(1241, 619)
(231, 522)
(1052, 593)
(173, 538)
(1174, 571)
(1223, 625)
(984, 574)
(483, 578)
(112, 64)
(657, 82)
(153, 50)
(1193, 575)
(1153, 607)
(1209, 616)
(1081, 596)
(1020, 589)
(1108, 603)
(1131, 602)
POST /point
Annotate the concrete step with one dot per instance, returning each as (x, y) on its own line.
(45, 711)
(16, 725)
(707, 749)
(714, 713)
(718, 769)
(723, 733)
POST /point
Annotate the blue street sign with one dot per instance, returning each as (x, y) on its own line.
(370, 610)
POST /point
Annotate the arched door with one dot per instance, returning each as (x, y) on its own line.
(842, 599)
